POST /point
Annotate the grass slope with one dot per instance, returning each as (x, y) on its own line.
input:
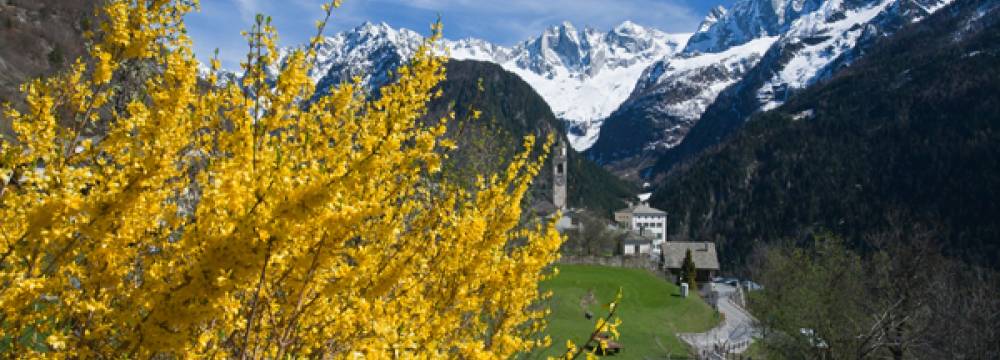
(651, 309)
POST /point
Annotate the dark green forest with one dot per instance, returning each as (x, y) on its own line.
(906, 135)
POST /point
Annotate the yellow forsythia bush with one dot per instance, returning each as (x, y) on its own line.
(145, 213)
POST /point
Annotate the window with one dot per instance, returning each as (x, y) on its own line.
(559, 168)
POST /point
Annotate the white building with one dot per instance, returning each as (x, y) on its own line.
(646, 221)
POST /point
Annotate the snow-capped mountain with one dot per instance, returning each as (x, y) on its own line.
(746, 21)
(767, 48)
(635, 91)
(669, 99)
(369, 51)
(584, 75)
(817, 46)
(821, 37)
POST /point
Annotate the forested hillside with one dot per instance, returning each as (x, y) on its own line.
(907, 135)
(782, 70)
(511, 109)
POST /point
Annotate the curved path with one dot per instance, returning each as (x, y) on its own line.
(733, 336)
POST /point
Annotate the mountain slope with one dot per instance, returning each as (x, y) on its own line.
(817, 46)
(667, 101)
(511, 109)
(907, 135)
(749, 58)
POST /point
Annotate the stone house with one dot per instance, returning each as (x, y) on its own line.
(706, 260)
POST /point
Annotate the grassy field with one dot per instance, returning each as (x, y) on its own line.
(652, 311)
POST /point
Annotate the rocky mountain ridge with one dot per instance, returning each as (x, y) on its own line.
(584, 74)
(741, 61)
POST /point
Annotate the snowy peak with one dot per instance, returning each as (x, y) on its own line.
(713, 17)
(370, 50)
(812, 36)
(368, 34)
(746, 59)
(585, 53)
(749, 20)
(558, 46)
(831, 37)
(585, 75)
(477, 49)
(628, 28)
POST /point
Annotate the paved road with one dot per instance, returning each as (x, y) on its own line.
(736, 332)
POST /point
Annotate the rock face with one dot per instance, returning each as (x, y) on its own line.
(741, 61)
(371, 50)
(38, 37)
(667, 101)
(583, 74)
(748, 20)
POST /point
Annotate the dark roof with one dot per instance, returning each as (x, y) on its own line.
(703, 254)
(627, 210)
(632, 237)
(642, 209)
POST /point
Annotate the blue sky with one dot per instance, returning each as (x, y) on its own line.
(505, 22)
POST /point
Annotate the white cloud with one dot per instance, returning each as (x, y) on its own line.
(248, 8)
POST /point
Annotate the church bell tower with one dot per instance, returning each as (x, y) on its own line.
(559, 164)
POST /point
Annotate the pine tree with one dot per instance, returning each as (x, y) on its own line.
(689, 272)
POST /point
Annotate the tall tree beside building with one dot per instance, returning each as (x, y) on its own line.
(689, 272)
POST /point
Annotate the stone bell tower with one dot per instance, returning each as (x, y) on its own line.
(559, 164)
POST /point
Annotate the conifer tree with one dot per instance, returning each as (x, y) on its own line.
(689, 272)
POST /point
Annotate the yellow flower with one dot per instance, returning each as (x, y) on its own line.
(103, 68)
(56, 341)
(209, 220)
